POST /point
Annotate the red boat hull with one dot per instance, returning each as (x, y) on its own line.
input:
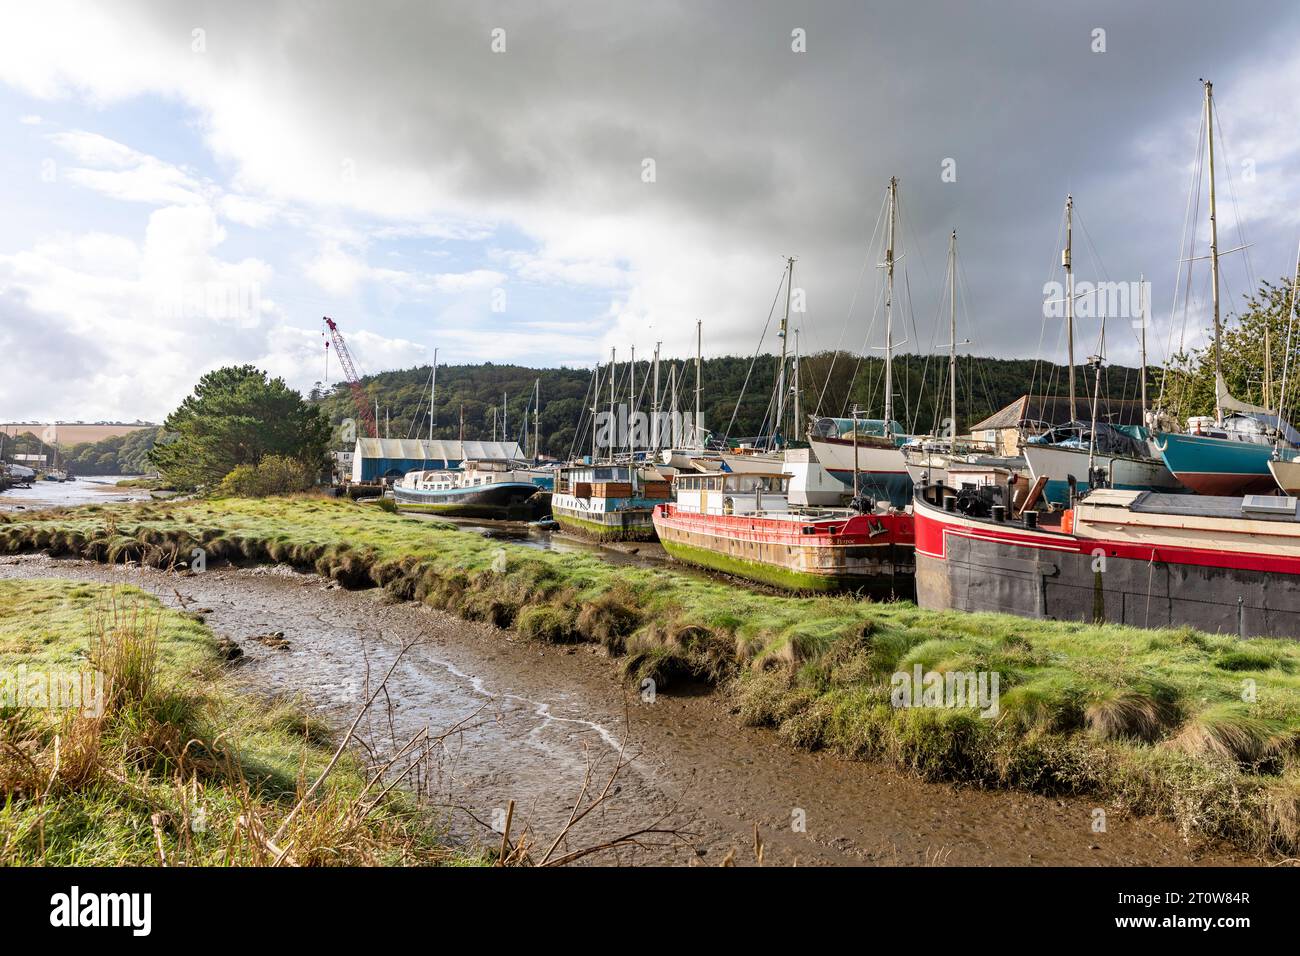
(871, 553)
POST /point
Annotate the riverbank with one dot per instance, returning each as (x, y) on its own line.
(162, 761)
(1198, 729)
(545, 712)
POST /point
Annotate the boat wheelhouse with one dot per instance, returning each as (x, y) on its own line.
(743, 524)
(608, 502)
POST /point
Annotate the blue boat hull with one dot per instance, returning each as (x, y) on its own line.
(1217, 466)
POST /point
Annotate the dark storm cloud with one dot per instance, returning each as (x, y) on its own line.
(763, 152)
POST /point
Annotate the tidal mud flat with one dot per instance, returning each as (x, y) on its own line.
(537, 716)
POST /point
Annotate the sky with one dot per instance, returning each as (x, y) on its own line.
(191, 185)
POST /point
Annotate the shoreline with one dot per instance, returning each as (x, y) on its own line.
(813, 669)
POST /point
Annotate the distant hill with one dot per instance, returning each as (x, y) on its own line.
(120, 454)
(984, 386)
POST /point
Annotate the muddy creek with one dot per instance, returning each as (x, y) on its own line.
(536, 716)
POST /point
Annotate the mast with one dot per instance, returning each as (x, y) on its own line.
(699, 339)
(1286, 362)
(595, 404)
(1214, 251)
(1095, 361)
(433, 391)
(631, 406)
(1067, 257)
(952, 346)
(505, 419)
(1142, 309)
(537, 419)
(654, 404)
(889, 319)
(782, 335)
(613, 359)
(798, 415)
(1268, 367)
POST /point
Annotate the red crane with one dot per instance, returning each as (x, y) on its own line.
(358, 393)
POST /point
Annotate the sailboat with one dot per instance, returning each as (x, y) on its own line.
(688, 452)
(928, 457)
(1228, 454)
(866, 454)
(609, 498)
(1081, 454)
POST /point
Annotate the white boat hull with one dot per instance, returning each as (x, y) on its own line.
(882, 471)
(1059, 464)
(1287, 475)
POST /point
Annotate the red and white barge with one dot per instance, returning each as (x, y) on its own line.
(743, 524)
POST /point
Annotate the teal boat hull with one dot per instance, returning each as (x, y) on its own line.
(1217, 466)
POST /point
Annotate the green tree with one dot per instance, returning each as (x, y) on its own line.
(237, 416)
(1254, 355)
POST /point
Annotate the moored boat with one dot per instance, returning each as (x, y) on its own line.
(477, 489)
(1229, 457)
(742, 524)
(881, 469)
(1142, 558)
(608, 502)
(1228, 454)
(1286, 473)
(1117, 454)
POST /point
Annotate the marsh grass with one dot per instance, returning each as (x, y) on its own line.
(1199, 728)
(177, 769)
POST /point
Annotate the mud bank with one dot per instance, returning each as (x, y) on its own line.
(539, 713)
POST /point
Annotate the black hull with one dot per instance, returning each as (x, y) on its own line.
(502, 495)
(983, 575)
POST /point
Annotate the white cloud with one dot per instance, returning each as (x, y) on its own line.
(420, 130)
(247, 211)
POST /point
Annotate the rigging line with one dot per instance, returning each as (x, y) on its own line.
(1232, 195)
(757, 351)
(839, 345)
(1290, 327)
(1190, 212)
(964, 296)
(1101, 268)
(907, 395)
(584, 419)
(1190, 236)
(857, 365)
(1042, 330)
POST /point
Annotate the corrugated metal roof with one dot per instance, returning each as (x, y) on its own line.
(1055, 410)
(421, 449)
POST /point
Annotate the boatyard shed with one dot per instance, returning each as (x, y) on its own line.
(375, 459)
(1035, 414)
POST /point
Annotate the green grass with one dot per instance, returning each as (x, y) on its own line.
(1199, 728)
(177, 764)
